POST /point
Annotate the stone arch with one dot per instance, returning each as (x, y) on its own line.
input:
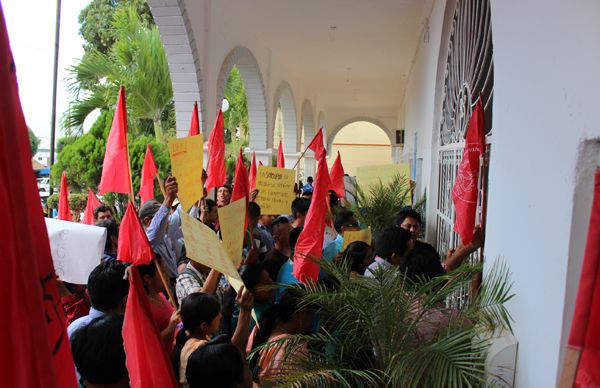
(285, 97)
(378, 123)
(307, 122)
(184, 62)
(251, 75)
(321, 123)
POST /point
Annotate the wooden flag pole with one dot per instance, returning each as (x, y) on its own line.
(161, 185)
(301, 156)
(163, 278)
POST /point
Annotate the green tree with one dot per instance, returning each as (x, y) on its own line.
(96, 18)
(136, 60)
(237, 114)
(34, 141)
(83, 158)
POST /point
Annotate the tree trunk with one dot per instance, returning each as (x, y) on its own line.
(158, 132)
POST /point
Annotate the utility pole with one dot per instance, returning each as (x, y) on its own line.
(54, 87)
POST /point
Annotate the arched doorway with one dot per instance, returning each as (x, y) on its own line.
(360, 143)
(285, 119)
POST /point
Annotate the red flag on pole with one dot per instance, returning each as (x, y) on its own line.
(133, 245)
(464, 192)
(252, 176)
(316, 144)
(584, 336)
(195, 123)
(147, 361)
(149, 171)
(280, 158)
(310, 242)
(217, 175)
(241, 186)
(116, 177)
(337, 177)
(35, 350)
(92, 203)
(64, 212)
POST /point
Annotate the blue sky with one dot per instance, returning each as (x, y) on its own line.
(31, 25)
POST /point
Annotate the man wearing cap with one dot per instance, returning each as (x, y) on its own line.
(155, 218)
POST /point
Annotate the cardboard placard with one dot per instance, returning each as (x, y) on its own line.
(186, 164)
(231, 221)
(364, 235)
(76, 249)
(275, 189)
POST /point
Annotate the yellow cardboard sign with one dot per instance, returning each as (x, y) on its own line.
(369, 176)
(275, 189)
(186, 165)
(203, 246)
(364, 235)
(231, 221)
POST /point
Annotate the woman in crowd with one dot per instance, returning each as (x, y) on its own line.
(358, 255)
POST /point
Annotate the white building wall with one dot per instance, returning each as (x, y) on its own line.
(546, 58)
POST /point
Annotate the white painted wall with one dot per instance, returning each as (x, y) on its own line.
(546, 85)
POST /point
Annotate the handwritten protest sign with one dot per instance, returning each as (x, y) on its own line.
(231, 222)
(275, 189)
(364, 235)
(203, 245)
(76, 249)
(186, 165)
(369, 176)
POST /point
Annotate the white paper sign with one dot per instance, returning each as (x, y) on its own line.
(76, 249)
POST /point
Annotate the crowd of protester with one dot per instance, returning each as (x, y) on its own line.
(207, 327)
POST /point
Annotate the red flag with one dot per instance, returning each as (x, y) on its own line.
(92, 203)
(241, 185)
(147, 361)
(252, 176)
(310, 241)
(148, 173)
(195, 123)
(64, 212)
(586, 318)
(337, 177)
(464, 192)
(280, 158)
(316, 144)
(35, 350)
(216, 155)
(133, 245)
(116, 177)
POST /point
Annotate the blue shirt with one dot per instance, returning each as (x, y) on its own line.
(285, 277)
(83, 321)
(161, 244)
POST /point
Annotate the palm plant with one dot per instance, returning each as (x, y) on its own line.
(389, 331)
(379, 206)
(136, 60)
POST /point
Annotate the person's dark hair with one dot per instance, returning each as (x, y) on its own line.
(408, 213)
(278, 223)
(196, 308)
(355, 256)
(98, 350)
(107, 286)
(334, 201)
(216, 364)
(392, 240)
(253, 210)
(421, 265)
(281, 312)
(147, 269)
(294, 234)
(101, 209)
(251, 275)
(225, 186)
(309, 179)
(342, 217)
(300, 206)
(210, 204)
(112, 230)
